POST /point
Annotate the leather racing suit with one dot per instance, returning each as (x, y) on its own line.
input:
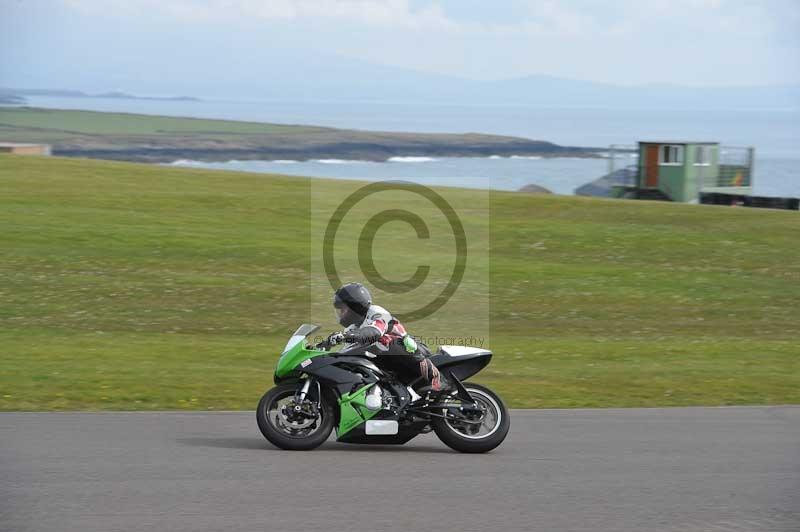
(387, 333)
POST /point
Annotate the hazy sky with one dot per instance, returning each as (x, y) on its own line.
(110, 44)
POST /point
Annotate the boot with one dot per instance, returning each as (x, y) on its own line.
(432, 380)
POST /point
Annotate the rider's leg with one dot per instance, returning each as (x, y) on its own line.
(417, 369)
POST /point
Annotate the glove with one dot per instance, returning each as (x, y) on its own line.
(363, 336)
(335, 338)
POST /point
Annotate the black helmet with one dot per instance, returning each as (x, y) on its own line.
(352, 303)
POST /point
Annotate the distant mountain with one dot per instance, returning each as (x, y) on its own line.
(43, 92)
(352, 81)
(344, 79)
(9, 93)
(270, 74)
(558, 91)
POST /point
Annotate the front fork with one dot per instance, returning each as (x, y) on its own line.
(302, 392)
(300, 395)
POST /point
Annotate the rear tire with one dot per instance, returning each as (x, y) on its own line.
(461, 442)
(271, 426)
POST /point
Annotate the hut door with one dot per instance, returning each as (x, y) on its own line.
(651, 166)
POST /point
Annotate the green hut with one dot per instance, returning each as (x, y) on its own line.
(681, 170)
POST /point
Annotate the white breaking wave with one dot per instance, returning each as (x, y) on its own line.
(335, 161)
(284, 161)
(495, 157)
(410, 159)
(184, 162)
(531, 157)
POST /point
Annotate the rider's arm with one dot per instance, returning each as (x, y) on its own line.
(370, 331)
(364, 335)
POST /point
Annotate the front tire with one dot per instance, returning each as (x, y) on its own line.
(490, 434)
(286, 433)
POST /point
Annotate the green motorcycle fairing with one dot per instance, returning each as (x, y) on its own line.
(353, 410)
(296, 352)
(297, 355)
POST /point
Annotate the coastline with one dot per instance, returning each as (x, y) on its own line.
(164, 139)
(378, 154)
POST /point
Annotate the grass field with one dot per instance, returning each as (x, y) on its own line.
(126, 286)
(102, 123)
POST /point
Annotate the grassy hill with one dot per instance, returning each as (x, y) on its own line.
(128, 286)
(149, 138)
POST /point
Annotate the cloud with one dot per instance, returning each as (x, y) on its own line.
(622, 41)
(375, 13)
(566, 18)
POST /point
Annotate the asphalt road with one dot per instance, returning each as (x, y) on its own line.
(688, 469)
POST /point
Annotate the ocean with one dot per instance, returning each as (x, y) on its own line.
(774, 133)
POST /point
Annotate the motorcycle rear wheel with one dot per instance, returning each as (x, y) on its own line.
(489, 434)
(282, 432)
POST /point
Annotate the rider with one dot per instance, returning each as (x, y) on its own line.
(367, 324)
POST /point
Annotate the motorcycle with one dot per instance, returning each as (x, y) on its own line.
(319, 389)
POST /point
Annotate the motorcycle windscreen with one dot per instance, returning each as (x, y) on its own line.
(298, 336)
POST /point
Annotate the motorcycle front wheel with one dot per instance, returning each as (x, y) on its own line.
(291, 425)
(475, 436)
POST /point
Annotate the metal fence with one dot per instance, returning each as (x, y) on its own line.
(623, 163)
(735, 168)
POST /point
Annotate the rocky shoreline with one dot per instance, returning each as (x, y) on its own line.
(350, 152)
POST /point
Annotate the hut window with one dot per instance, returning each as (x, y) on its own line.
(702, 156)
(671, 154)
